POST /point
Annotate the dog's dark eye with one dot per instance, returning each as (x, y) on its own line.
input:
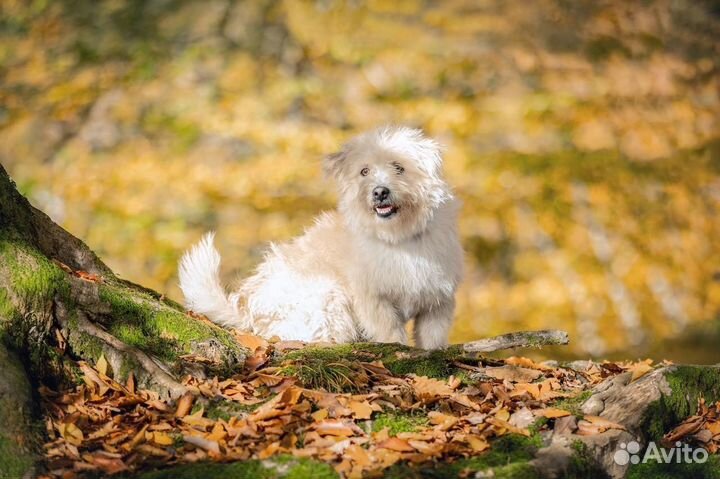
(398, 168)
(365, 171)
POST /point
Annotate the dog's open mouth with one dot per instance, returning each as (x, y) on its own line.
(385, 211)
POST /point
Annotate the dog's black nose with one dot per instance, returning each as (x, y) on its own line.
(380, 193)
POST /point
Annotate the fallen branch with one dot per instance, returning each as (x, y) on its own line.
(520, 339)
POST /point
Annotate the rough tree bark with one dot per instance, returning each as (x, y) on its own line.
(58, 301)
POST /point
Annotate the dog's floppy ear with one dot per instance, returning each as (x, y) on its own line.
(333, 163)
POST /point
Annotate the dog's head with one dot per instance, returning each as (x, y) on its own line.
(390, 182)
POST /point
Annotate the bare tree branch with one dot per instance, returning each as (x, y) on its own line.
(520, 339)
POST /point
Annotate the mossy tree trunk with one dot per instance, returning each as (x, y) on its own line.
(59, 301)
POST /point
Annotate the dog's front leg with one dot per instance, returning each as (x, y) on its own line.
(433, 325)
(380, 321)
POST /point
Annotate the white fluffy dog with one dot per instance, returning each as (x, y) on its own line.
(390, 253)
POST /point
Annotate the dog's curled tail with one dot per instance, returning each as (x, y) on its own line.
(199, 274)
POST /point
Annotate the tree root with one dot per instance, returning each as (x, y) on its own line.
(149, 373)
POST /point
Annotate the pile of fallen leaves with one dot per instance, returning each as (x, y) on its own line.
(702, 429)
(109, 427)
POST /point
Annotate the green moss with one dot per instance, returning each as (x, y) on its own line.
(582, 464)
(217, 408)
(178, 326)
(508, 457)
(34, 278)
(128, 365)
(505, 450)
(124, 306)
(237, 470)
(334, 376)
(14, 462)
(158, 329)
(687, 384)
(83, 344)
(434, 364)
(128, 333)
(196, 407)
(293, 468)
(573, 404)
(33, 281)
(19, 432)
(653, 470)
(9, 316)
(518, 470)
(356, 351)
(397, 422)
(276, 467)
(7, 309)
(538, 425)
(133, 322)
(337, 367)
(223, 409)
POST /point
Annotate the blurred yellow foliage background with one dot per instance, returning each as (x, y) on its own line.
(582, 138)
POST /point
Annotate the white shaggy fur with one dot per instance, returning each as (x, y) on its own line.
(390, 253)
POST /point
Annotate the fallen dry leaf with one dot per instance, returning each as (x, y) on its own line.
(251, 342)
(522, 418)
(431, 389)
(184, 404)
(513, 374)
(361, 410)
(714, 427)
(162, 439)
(590, 425)
(444, 421)
(396, 444)
(690, 426)
(102, 366)
(71, 433)
(333, 428)
(320, 414)
(90, 277)
(552, 413)
(640, 369)
(133, 429)
(477, 443)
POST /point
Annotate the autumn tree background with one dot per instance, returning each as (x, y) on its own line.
(582, 138)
